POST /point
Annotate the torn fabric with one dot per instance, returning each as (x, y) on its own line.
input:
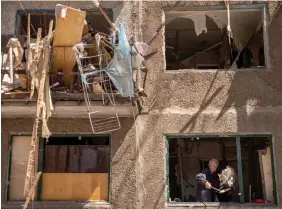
(17, 51)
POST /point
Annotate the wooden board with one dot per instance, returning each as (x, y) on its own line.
(68, 32)
(75, 186)
(19, 160)
(266, 173)
(63, 57)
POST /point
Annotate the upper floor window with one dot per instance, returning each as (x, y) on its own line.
(200, 39)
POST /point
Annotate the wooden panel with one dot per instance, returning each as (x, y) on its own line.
(68, 33)
(70, 62)
(63, 57)
(75, 186)
(20, 152)
(69, 29)
(58, 58)
(266, 173)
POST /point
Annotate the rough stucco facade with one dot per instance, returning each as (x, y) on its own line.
(188, 102)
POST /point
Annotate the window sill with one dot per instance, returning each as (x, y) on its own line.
(60, 204)
(183, 205)
(216, 70)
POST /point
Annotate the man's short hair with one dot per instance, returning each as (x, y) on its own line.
(213, 160)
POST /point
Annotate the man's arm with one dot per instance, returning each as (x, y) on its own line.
(201, 178)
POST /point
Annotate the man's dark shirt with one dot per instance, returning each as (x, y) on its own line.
(205, 176)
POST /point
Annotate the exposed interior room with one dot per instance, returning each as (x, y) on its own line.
(189, 156)
(201, 39)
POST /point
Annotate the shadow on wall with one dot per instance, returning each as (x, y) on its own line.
(206, 102)
(123, 165)
(260, 88)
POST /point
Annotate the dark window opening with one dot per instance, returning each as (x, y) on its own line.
(200, 40)
(76, 155)
(76, 168)
(190, 156)
(37, 20)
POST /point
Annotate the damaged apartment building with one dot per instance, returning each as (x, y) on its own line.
(120, 104)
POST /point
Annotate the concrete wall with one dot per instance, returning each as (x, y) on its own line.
(188, 102)
(123, 186)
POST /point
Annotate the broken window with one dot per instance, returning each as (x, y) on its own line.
(73, 162)
(201, 40)
(250, 176)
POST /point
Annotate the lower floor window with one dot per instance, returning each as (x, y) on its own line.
(239, 169)
(73, 167)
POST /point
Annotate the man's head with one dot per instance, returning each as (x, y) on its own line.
(213, 164)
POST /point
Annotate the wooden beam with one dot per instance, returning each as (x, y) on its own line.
(180, 169)
(240, 170)
(11, 64)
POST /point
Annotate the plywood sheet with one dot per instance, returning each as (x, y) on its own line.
(19, 159)
(70, 62)
(68, 32)
(266, 173)
(75, 186)
(63, 57)
(69, 29)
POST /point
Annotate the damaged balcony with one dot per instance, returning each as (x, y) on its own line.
(20, 83)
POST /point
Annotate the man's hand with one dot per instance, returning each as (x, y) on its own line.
(208, 185)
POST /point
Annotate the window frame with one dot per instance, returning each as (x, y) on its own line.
(261, 6)
(168, 137)
(41, 158)
(20, 11)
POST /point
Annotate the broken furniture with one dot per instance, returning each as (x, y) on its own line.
(92, 80)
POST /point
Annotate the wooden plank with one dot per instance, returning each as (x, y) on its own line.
(11, 67)
(32, 190)
(29, 181)
(240, 170)
(63, 57)
(69, 29)
(68, 33)
(20, 151)
(75, 186)
(180, 170)
(266, 173)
